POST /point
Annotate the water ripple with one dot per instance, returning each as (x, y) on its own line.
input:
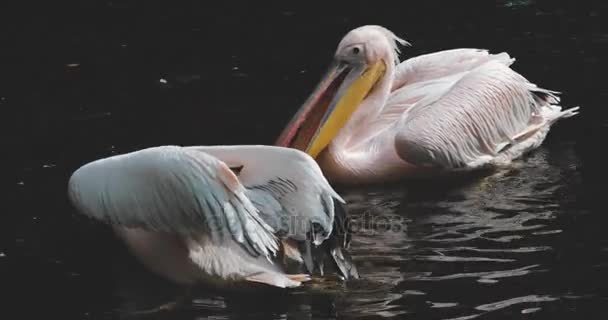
(484, 275)
(509, 302)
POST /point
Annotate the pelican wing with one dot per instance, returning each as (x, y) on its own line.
(171, 189)
(426, 78)
(487, 110)
(293, 197)
(443, 63)
(286, 185)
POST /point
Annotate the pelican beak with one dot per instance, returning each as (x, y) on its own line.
(330, 106)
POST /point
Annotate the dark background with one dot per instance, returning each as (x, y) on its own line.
(81, 80)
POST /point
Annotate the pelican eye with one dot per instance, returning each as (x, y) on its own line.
(356, 50)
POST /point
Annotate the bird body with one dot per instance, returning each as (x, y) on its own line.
(213, 214)
(447, 111)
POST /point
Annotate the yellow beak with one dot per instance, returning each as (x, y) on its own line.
(310, 132)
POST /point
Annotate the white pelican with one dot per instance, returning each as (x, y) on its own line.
(220, 215)
(373, 119)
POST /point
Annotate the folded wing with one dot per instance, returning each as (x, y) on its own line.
(442, 64)
(487, 110)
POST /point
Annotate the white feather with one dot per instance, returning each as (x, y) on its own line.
(191, 195)
(484, 111)
(286, 185)
(171, 189)
(443, 63)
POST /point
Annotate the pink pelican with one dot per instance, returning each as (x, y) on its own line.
(374, 119)
(219, 215)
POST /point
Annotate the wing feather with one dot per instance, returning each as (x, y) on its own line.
(468, 125)
(444, 63)
(171, 189)
(286, 185)
(294, 198)
(426, 78)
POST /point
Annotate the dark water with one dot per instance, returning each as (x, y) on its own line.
(84, 80)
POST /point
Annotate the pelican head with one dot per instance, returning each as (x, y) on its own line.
(360, 62)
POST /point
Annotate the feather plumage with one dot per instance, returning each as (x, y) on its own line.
(192, 194)
(488, 108)
(451, 110)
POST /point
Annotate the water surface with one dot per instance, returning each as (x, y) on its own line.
(83, 81)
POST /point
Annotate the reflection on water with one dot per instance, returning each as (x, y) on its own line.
(471, 237)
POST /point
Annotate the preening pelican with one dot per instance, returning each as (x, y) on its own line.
(219, 214)
(374, 119)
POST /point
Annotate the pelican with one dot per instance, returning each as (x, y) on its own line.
(219, 215)
(374, 119)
